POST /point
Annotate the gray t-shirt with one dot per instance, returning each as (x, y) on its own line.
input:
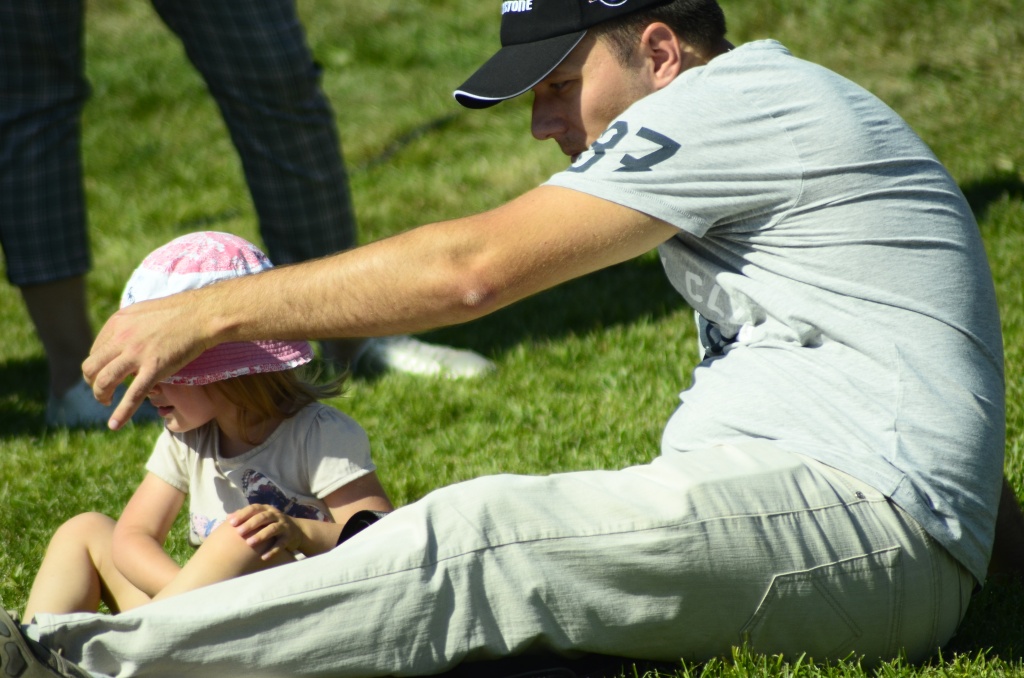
(822, 239)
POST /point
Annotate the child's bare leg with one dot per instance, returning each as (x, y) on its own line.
(224, 555)
(78, 572)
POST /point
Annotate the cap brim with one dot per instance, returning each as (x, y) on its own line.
(515, 69)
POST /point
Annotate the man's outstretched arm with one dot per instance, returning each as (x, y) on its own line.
(435, 275)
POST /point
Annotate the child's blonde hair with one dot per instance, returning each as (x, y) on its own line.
(269, 395)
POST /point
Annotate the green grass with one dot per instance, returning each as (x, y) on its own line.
(588, 371)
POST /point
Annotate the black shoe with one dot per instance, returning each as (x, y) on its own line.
(21, 657)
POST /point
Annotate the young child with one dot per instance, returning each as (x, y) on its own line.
(271, 473)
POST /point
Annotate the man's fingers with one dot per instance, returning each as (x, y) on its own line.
(133, 397)
(148, 340)
(109, 362)
(105, 375)
(91, 367)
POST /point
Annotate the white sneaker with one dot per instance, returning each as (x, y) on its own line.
(79, 409)
(406, 354)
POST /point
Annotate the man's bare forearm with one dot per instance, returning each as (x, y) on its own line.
(435, 275)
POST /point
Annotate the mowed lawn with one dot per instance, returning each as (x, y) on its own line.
(588, 372)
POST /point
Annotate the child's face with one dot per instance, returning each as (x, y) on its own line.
(183, 408)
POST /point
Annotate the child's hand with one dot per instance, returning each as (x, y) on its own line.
(268, 531)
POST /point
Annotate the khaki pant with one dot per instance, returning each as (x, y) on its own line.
(685, 557)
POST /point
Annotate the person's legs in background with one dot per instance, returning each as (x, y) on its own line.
(42, 200)
(58, 312)
(259, 68)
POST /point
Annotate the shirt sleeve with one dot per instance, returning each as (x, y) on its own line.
(337, 451)
(169, 461)
(697, 155)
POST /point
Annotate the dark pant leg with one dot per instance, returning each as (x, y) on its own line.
(42, 92)
(257, 65)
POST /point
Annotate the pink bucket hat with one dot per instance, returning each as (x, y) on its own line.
(196, 260)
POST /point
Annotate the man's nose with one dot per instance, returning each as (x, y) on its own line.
(545, 122)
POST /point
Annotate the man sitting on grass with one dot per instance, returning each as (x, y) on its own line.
(829, 484)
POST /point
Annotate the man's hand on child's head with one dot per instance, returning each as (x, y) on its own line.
(148, 341)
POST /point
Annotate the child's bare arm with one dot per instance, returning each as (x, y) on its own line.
(271, 533)
(141, 531)
(258, 536)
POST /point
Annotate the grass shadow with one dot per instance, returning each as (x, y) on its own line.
(983, 192)
(618, 295)
(992, 622)
(23, 394)
(545, 664)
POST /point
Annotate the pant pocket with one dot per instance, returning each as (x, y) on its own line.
(830, 611)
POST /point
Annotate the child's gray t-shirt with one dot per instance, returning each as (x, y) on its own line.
(823, 237)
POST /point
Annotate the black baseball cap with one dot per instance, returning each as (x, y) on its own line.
(536, 35)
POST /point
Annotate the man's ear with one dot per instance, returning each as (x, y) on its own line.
(668, 57)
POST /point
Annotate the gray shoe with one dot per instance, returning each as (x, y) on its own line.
(79, 409)
(409, 355)
(21, 657)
